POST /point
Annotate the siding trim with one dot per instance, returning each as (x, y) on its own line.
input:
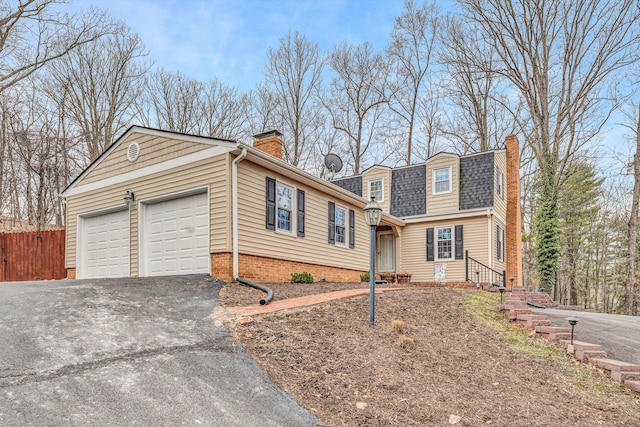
(148, 170)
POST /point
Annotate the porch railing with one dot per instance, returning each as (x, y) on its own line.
(477, 272)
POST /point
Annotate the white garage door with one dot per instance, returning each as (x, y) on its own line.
(176, 236)
(106, 245)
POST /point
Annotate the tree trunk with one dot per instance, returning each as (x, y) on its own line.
(632, 229)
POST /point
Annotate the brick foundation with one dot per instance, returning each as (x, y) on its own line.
(71, 273)
(264, 269)
(455, 285)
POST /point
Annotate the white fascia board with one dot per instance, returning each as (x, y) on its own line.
(449, 216)
(149, 170)
(146, 131)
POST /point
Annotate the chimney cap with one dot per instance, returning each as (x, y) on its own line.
(267, 134)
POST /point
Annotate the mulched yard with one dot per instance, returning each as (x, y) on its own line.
(457, 372)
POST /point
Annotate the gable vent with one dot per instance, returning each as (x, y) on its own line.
(133, 151)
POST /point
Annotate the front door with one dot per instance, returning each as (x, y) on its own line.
(386, 252)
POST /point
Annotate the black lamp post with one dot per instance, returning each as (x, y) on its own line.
(501, 289)
(477, 278)
(511, 279)
(372, 215)
(573, 320)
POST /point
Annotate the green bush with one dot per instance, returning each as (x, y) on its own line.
(301, 278)
(364, 277)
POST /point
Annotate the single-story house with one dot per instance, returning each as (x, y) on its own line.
(164, 203)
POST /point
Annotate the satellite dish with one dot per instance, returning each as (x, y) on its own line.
(333, 163)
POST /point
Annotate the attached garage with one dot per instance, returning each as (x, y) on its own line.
(104, 246)
(175, 236)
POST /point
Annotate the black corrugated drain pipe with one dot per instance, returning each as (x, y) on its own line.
(249, 283)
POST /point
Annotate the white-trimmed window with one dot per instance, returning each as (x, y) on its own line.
(442, 180)
(499, 243)
(341, 226)
(444, 243)
(376, 189)
(284, 208)
(499, 183)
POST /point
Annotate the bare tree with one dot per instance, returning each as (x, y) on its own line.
(171, 101)
(101, 81)
(224, 111)
(357, 94)
(631, 281)
(561, 57)
(294, 71)
(32, 34)
(413, 41)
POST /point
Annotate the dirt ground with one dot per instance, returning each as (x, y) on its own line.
(454, 370)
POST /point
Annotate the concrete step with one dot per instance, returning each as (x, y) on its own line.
(633, 385)
(557, 336)
(514, 312)
(553, 329)
(581, 345)
(585, 355)
(615, 365)
(530, 321)
(622, 376)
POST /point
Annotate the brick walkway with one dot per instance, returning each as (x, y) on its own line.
(243, 313)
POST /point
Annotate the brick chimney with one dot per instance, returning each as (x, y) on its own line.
(513, 238)
(270, 142)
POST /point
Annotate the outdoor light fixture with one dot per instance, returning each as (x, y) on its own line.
(511, 279)
(372, 215)
(501, 289)
(573, 320)
(477, 278)
(129, 198)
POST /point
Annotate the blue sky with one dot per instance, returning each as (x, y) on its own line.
(229, 39)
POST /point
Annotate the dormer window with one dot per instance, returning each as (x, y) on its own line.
(442, 180)
(376, 189)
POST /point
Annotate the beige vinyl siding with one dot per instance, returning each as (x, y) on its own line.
(444, 202)
(500, 203)
(375, 173)
(255, 239)
(153, 149)
(414, 248)
(210, 173)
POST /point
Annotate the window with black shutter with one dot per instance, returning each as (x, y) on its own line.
(300, 213)
(459, 245)
(271, 204)
(429, 244)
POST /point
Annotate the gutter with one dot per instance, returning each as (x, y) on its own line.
(234, 212)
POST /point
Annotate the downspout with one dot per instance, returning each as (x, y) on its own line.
(490, 243)
(234, 209)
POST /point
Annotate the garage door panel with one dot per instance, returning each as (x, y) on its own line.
(105, 251)
(177, 236)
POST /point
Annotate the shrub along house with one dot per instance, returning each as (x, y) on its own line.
(164, 203)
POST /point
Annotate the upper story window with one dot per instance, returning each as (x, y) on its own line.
(341, 226)
(285, 207)
(442, 180)
(376, 189)
(445, 243)
(499, 183)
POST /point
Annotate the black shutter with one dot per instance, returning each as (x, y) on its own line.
(429, 244)
(271, 203)
(352, 229)
(332, 223)
(459, 245)
(498, 246)
(300, 213)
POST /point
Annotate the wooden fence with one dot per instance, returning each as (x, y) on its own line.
(32, 256)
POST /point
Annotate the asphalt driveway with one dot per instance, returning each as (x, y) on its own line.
(144, 352)
(619, 335)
